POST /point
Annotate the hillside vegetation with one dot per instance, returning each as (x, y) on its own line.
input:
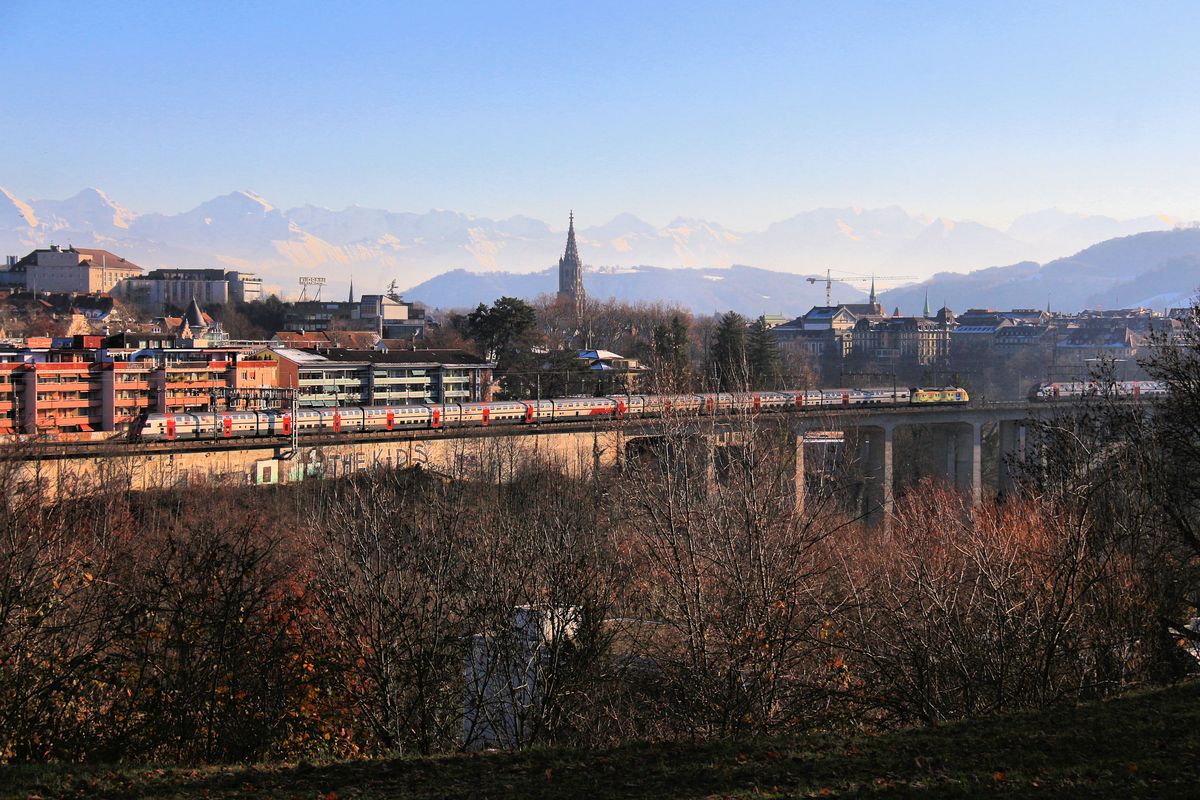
(1142, 744)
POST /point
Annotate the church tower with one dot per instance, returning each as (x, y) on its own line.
(570, 272)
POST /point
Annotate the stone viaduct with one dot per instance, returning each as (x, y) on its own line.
(870, 439)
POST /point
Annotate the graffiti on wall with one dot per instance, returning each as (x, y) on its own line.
(320, 462)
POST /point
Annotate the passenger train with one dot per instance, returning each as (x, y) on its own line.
(1073, 390)
(370, 419)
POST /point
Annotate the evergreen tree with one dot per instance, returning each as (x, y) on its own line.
(502, 327)
(763, 356)
(727, 357)
(671, 351)
(507, 333)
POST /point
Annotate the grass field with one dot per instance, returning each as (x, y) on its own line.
(1145, 744)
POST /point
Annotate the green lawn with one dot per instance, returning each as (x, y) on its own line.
(1145, 744)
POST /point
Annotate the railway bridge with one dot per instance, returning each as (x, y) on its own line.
(870, 439)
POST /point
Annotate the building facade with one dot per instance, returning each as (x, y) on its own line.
(76, 270)
(160, 288)
(371, 377)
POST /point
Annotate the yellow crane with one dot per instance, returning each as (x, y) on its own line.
(851, 277)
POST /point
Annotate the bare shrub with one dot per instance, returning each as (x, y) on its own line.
(958, 611)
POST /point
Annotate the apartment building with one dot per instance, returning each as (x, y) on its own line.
(161, 288)
(61, 397)
(401, 377)
(125, 392)
(9, 397)
(187, 385)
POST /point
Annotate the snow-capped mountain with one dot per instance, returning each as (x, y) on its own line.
(244, 231)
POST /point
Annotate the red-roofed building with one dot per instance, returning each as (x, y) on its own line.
(327, 340)
(80, 270)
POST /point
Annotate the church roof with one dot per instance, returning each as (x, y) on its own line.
(570, 270)
(194, 316)
(572, 253)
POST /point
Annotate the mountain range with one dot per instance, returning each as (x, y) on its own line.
(242, 230)
(1157, 269)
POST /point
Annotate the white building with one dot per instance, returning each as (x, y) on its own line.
(177, 287)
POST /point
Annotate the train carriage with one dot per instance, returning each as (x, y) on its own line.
(574, 407)
(635, 404)
(882, 397)
(837, 397)
(538, 411)
(506, 412)
(484, 414)
(274, 423)
(310, 420)
(949, 394)
(446, 415)
(177, 427)
(1068, 390)
(770, 401)
(714, 403)
(234, 424)
(391, 418)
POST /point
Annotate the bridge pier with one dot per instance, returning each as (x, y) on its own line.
(879, 492)
(1010, 454)
(799, 477)
(972, 460)
(963, 442)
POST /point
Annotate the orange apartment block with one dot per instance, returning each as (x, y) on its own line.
(125, 392)
(70, 394)
(187, 386)
(9, 399)
(252, 373)
(61, 397)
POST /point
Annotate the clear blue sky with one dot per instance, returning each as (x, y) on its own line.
(740, 112)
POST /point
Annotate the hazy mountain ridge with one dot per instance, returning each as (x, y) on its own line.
(243, 230)
(748, 290)
(1158, 269)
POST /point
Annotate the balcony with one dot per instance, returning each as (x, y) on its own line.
(82, 402)
(66, 386)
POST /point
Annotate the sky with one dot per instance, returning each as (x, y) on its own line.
(744, 113)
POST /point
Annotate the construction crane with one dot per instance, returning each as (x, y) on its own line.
(850, 277)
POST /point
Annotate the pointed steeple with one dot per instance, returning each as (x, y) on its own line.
(572, 248)
(570, 271)
(194, 318)
(927, 313)
(872, 300)
(351, 289)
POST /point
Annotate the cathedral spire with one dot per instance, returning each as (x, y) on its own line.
(927, 312)
(351, 288)
(570, 271)
(872, 300)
